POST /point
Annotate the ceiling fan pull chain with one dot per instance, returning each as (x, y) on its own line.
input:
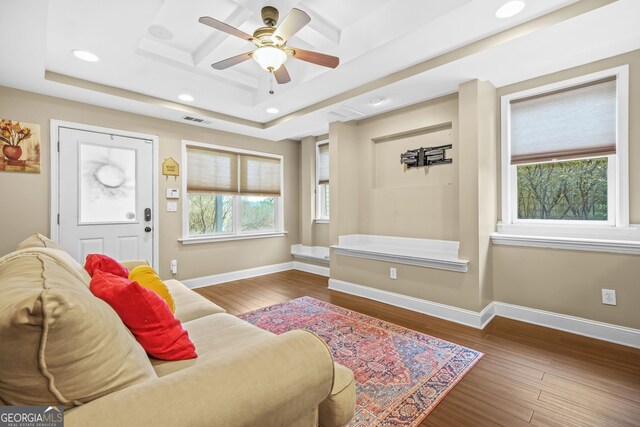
(271, 92)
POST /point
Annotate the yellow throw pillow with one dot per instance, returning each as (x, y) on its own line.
(148, 278)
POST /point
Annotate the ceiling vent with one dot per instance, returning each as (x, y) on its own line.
(345, 114)
(196, 120)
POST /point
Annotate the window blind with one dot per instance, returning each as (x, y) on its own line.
(575, 122)
(259, 176)
(211, 170)
(323, 164)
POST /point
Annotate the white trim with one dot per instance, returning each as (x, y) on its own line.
(575, 325)
(571, 324)
(229, 237)
(621, 183)
(54, 128)
(310, 268)
(570, 243)
(440, 254)
(319, 218)
(216, 279)
(459, 315)
(237, 234)
(314, 253)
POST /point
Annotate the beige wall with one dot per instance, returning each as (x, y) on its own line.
(423, 203)
(25, 197)
(321, 234)
(570, 282)
(395, 201)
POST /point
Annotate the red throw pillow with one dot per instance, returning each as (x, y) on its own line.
(95, 262)
(147, 316)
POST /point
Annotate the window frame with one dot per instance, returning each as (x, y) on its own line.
(319, 218)
(237, 233)
(617, 169)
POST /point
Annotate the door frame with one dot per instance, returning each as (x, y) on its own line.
(54, 202)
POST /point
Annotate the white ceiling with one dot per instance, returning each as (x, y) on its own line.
(373, 38)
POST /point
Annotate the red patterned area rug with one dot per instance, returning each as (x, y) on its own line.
(401, 374)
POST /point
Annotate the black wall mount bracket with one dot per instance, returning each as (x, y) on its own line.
(426, 156)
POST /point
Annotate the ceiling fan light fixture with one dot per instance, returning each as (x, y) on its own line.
(270, 58)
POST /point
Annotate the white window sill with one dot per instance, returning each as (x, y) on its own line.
(321, 221)
(621, 240)
(226, 238)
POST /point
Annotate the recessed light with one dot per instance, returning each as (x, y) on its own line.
(378, 100)
(160, 32)
(273, 110)
(185, 97)
(510, 9)
(86, 56)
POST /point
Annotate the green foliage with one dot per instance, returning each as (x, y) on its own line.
(211, 213)
(571, 190)
(203, 213)
(258, 213)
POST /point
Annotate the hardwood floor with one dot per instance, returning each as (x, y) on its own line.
(529, 375)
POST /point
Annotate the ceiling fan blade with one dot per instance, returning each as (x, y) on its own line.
(282, 75)
(316, 58)
(230, 62)
(219, 25)
(291, 24)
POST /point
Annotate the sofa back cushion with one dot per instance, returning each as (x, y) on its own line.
(38, 241)
(60, 344)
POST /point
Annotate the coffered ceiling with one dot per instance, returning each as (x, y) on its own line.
(406, 51)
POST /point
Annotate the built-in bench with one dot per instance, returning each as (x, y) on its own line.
(313, 253)
(441, 254)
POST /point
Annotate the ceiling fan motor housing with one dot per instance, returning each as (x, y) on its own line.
(270, 16)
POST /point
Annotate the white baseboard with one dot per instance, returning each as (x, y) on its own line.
(311, 268)
(443, 311)
(575, 325)
(216, 279)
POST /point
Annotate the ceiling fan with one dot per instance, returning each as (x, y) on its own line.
(271, 41)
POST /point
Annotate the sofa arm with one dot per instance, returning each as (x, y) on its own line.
(275, 382)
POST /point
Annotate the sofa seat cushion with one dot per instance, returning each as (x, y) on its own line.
(189, 304)
(60, 345)
(213, 335)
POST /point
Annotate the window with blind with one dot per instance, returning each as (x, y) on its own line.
(322, 180)
(562, 159)
(231, 193)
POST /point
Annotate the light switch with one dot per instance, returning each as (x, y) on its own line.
(172, 207)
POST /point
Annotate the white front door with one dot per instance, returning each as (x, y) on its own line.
(105, 194)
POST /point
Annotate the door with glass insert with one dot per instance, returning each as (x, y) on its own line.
(105, 195)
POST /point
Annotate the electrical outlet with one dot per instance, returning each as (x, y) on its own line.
(174, 266)
(393, 273)
(609, 297)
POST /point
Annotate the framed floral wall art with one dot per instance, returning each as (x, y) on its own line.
(20, 146)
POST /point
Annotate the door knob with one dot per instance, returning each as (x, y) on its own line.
(147, 229)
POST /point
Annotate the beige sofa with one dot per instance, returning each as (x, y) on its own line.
(59, 345)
